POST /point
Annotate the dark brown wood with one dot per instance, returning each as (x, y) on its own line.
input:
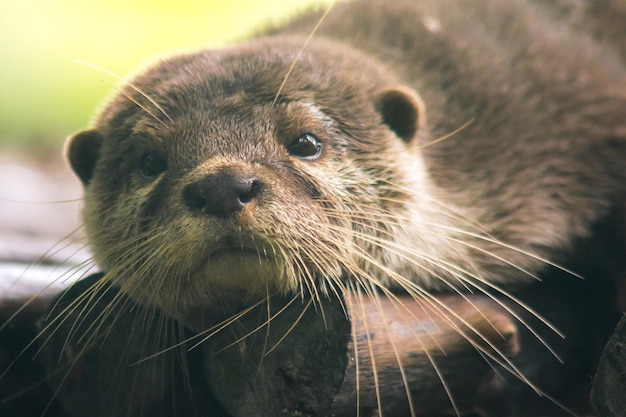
(432, 342)
(310, 360)
(307, 364)
(295, 364)
(23, 388)
(106, 357)
(608, 395)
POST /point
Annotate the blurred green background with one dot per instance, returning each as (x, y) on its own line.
(45, 95)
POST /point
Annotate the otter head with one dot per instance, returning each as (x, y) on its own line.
(224, 171)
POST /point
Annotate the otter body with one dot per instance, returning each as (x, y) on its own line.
(423, 146)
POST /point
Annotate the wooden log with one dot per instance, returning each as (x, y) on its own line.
(609, 386)
(265, 373)
(105, 356)
(140, 362)
(23, 391)
(127, 369)
(306, 364)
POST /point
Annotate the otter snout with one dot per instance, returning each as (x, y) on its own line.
(222, 194)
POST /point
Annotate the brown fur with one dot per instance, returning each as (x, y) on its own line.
(537, 161)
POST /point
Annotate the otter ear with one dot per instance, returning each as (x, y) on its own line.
(402, 109)
(82, 151)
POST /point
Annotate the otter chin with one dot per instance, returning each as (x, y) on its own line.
(400, 161)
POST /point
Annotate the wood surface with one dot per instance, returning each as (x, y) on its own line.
(102, 355)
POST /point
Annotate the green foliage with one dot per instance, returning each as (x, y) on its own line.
(45, 95)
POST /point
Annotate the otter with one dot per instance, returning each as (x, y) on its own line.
(407, 146)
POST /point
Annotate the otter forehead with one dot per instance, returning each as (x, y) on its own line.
(252, 133)
(269, 70)
(247, 102)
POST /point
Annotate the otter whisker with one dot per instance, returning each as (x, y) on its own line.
(295, 60)
(67, 275)
(261, 326)
(37, 202)
(370, 349)
(268, 312)
(63, 314)
(337, 287)
(92, 297)
(462, 273)
(59, 320)
(206, 334)
(401, 251)
(514, 248)
(485, 236)
(423, 295)
(374, 297)
(459, 273)
(53, 250)
(449, 267)
(295, 323)
(447, 136)
(448, 210)
(143, 94)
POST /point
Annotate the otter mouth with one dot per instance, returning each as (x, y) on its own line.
(239, 252)
(243, 245)
(228, 259)
(250, 268)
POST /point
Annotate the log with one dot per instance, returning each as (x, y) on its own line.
(23, 391)
(609, 386)
(106, 356)
(122, 364)
(340, 358)
(303, 364)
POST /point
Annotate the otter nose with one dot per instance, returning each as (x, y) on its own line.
(222, 194)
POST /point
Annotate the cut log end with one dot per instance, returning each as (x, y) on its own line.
(304, 363)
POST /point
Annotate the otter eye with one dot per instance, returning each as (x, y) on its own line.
(307, 146)
(151, 165)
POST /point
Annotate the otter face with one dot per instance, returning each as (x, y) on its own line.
(202, 180)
